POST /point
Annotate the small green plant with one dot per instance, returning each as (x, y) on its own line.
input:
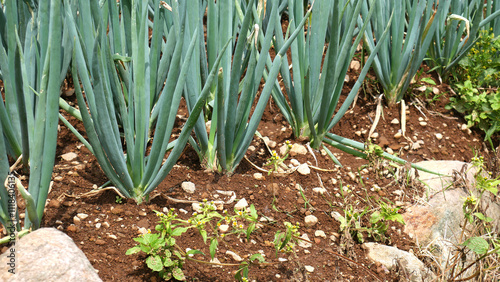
(286, 241)
(352, 221)
(379, 218)
(482, 63)
(167, 258)
(275, 161)
(481, 108)
(118, 199)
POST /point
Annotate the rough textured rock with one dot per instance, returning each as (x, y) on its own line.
(390, 257)
(436, 222)
(188, 187)
(310, 220)
(47, 254)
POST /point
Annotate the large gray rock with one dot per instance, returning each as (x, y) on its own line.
(436, 221)
(46, 254)
(391, 257)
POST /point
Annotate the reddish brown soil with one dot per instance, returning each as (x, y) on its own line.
(73, 179)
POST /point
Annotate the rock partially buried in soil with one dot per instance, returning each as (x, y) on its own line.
(296, 149)
(188, 187)
(310, 220)
(241, 204)
(391, 257)
(304, 169)
(47, 255)
(305, 242)
(69, 156)
(437, 223)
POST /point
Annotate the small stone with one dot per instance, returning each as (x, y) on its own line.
(100, 242)
(415, 146)
(235, 256)
(270, 143)
(423, 123)
(463, 127)
(188, 187)
(310, 220)
(297, 149)
(117, 211)
(183, 211)
(395, 121)
(294, 162)
(241, 204)
(398, 134)
(106, 224)
(309, 268)
(435, 90)
(389, 150)
(112, 236)
(251, 148)
(223, 228)
(69, 156)
(305, 242)
(258, 176)
(142, 213)
(71, 228)
(336, 215)
(282, 259)
(77, 220)
(54, 203)
(319, 190)
(320, 233)
(352, 175)
(421, 88)
(196, 207)
(374, 135)
(346, 79)
(355, 65)
(216, 261)
(82, 215)
(439, 136)
(358, 133)
(304, 169)
(98, 225)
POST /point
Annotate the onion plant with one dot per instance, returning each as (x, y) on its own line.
(458, 27)
(133, 89)
(403, 51)
(233, 123)
(35, 51)
(314, 88)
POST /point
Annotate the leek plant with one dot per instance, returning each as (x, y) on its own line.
(402, 53)
(35, 51)
(457, 31)
(314, 88)
(233, 124)
(133, 89)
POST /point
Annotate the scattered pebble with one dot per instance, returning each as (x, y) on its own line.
(304, 169)
(282, 259)
(223, 228)
(258, 176)
(71, 228)
(142, 213)
(305, 244)
(309, 268)
(374, 135)
(319, 190)
(336, 215)
(235, 256)
(310, 220)
(294, 162)
(112, 236)
(439, 136)
(241, 204)
(100, 242)
(196, 207)
(320, 233)
(423, 123)
(398, 134)
(297, 149)
(82, 215)
(215, 260)
(395, 121)
(355, 65)
(188, 187)
(69, 156)
(98, 225)
(352, 175)
(270, 143)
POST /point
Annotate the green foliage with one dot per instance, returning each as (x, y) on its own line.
(351, 221)
(481, 108)
(165, 257)
(275, 160)
(286, 241)
(482, 64)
